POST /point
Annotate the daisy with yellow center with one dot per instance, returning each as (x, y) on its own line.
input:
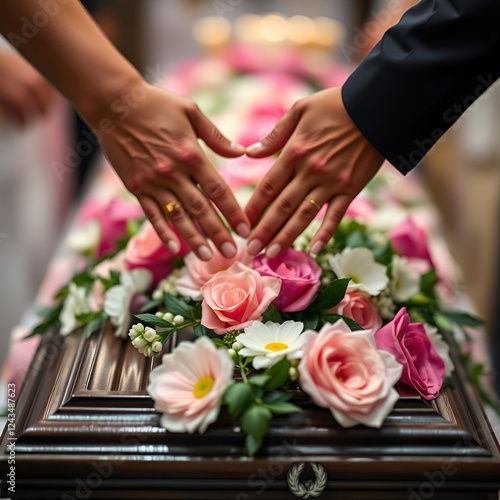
(269, 343)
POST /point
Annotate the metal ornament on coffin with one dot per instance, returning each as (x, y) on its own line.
(309, 489)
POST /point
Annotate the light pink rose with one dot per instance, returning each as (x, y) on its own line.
(343, 371)
(188, 386)
(235, 298)
(245, 171)
(423, 368)
(198, 272)
(112, 218)
(361, 208)
(299, 275)
(410, 241)
(147, 251)
(360, 308)
(103, 269)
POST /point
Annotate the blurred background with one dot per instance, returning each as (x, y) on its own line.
(43, 173)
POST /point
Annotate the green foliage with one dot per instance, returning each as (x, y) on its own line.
(272, 314)
(154, 320)
(176, 305)
(332, 318)
(331, 295)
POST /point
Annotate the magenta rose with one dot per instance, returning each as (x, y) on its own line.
(343, 371)
(299, 275)
(147, 251)
(235, 298)
(423, 368)
(112, 218)
(360, 308)
(410, 241)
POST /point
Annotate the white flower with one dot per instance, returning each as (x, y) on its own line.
(359, 265)
(269, 343)
(118, 298)
(85, 238)
(385, 305)
(167, 285)
(441, 347)
(76, 303)
(405, 282)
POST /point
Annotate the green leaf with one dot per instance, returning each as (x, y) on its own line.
(62, 293)
(331, 295)
(237, 397)
(95, 324)
(355, 239)
(218, 342)
(175, 305)
(255, 421)
(282, 408)
(310, 320)
(272, 314)
(87, 317)
(50, 320)
(332, 318)
(200, 330)
(427, 282)
(252, 445)
(274, 398)
(83, 280)
(278, 374)
(154, 320)
(148, 306)
(383, 253)
(260, 380)
(462, 319)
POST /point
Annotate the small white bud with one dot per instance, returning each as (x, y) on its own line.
(157, 295)
(132, 334)
(231, 352)
(150, 334)
(139, 327)
(159, 314)
(157, 347)
(237, 346)
(179, 320)
(168, 317)
(148, 351)
(293, 374)
(295, 362)
(139, 342)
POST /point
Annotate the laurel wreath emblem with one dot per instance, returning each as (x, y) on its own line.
(309, 489)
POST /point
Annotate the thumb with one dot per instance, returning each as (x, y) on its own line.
(212, 136)
(278, 137)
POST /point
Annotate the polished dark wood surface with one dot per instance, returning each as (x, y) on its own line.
(86, 428)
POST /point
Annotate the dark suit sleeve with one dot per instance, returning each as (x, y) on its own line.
(423, 74)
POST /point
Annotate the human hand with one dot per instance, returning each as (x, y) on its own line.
(24, 93)
(325, 159)
(153, 146)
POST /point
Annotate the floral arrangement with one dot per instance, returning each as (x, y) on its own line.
(344, 327)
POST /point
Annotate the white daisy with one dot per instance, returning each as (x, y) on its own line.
(118, 298)
(442, 348)
(269, 343)
(359, 265)
(405, 282)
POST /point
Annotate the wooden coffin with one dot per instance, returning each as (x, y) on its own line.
(86, 428)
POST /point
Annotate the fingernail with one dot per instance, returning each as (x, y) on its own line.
(273, 251)
(238, 147)
(243, 230)
(316, 248)
(254, 147)
(204, 252)
(173, 247)
(254, 247)
(228, 250)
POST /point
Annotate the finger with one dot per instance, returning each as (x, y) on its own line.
(278, 137)
(159, 222)
(282, 209)
(212, 136)
(306, 211)
(175, 212)
(268, 189)
(334, 213)
(216, 189)
(199, 208)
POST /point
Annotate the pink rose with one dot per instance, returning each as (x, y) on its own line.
(245, 171)
(423, 368)
(147, 251)
(235, 298)
(188, 386)
(198, 272)
(361, 309)
(343, 371)
(299, 275)
(409, 240)
(112, 217)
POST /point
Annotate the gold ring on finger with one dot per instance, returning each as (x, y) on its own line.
(171, 206)
(315, 203)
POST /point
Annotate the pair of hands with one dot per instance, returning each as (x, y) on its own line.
(324, 158)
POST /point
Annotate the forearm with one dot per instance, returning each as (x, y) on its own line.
(66, 45)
